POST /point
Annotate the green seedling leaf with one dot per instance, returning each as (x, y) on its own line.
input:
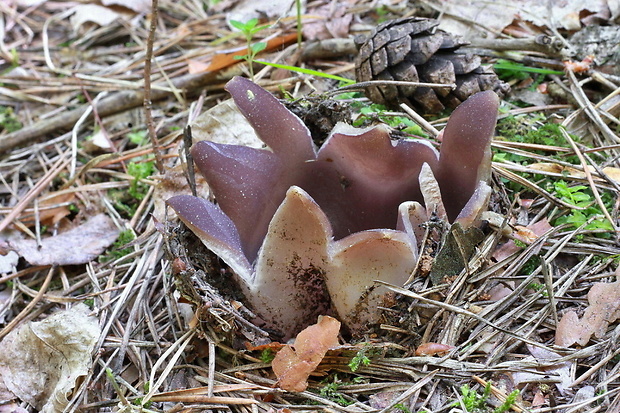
(573, 194)
(473, 401)
(507, 70)
(249, 29)
(258, 47)
(259, 28)
(244, 27)
(360, 359)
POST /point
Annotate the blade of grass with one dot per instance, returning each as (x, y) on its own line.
(307, 71)
(507, 65)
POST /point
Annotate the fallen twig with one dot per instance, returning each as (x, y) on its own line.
(118, 102)
(148, 102)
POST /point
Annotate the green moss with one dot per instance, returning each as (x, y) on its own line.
(373, 113)
(362, 358)
(8, 120)
(536, 130)
(139, 171)
(330, 391)
(530, 265)
(267, 355)
(117, 251)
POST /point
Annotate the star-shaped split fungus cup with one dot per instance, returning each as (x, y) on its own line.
(307, 232)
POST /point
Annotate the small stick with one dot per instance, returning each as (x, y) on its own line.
(148, 104)
(548, 45)
(187, 143)
(501, 395)
(420, 120)
(588, 108)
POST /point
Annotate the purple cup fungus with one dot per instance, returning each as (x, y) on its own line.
(306, 232)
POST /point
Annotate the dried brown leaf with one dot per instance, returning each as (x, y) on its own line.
(93, 13)
(501, 290)
(561, 372)
(197, 66)
(569, 14)
(245, 10)
(383, 399)
(612, 173)
(8, 263)
(332, 20)
(433, 349)
(49, 214)
(603, 309)
(293, 365)
(40, 362)
(172, 183)
(76, 246)
(569, 172)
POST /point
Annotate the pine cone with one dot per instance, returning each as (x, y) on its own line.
(411, 49)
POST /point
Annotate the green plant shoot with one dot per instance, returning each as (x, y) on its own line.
(249, 29)
(579, 196)
(507, 405)
(360, 359)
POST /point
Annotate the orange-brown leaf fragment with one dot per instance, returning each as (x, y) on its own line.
(51, 210)
(433, 349)
(274, 346)
(603, 309)
(293, 364)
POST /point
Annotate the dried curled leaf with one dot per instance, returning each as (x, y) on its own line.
(293, 364)
(43, 362)
(603, 309)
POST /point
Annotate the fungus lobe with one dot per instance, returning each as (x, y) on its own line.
(296, 224)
